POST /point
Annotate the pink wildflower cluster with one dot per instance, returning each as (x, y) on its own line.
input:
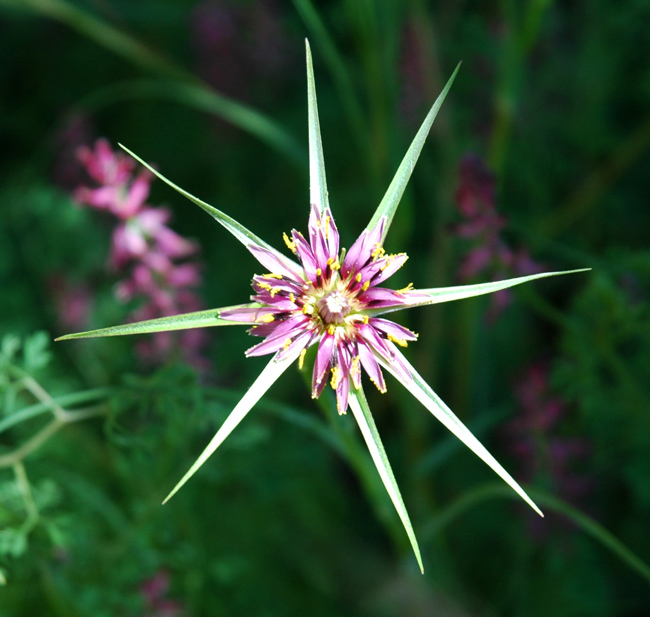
(535, 440)
(152, 256)
(154, 593)
(476, 202)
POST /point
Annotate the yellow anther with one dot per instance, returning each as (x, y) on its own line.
(333, 264)
(274, 290)
(292, 297)
(409, 287)
(399, 341)
(335, 377)
(308, 309)
(301, 358)
(319, 272)
(377, 251)
(268, 318)
(287, 342)
(331, 329)
(354, 367)
(291, 245)
(365, 286)
(366, 319)
(272, 276)
(265, 286)
(327, 226)
(357, 278)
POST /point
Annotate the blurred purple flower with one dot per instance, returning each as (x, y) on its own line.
(154, 591)
(476, 202)
(143, 242)
(534, 438)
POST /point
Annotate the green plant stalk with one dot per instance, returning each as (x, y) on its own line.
(191, 90)
(32, 411)
(339, 72)
(42, 436)
(587, 524)
(358, 458)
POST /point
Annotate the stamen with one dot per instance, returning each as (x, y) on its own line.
(272, 276)
(319, 272)
(287, 342)
(377, 251)
(268, 318)
(335, 377)
(365, 286)
(409, 287)
(399, 341)
(301, 358)
(292, 297)
(357, 278)
(291, 245)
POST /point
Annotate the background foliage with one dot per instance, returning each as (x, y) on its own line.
(552, 101)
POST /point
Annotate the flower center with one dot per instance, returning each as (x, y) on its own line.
(333, 308)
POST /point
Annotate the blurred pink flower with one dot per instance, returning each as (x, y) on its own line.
(144, 246)
(476, 202)
(154, 592)
(534, 438)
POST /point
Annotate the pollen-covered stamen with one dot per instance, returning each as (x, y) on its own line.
(333, 307)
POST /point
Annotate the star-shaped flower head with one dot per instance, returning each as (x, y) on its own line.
(333, 299)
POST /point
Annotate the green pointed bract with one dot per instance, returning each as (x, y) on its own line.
(438, 295)
(245, 236)
(389, 203)
(200, 319)
(363, 416)
(265, 380)
(423, 392)
(317, 181)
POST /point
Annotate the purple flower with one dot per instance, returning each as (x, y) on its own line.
(328, 302)
(476, 202)
(332, 299)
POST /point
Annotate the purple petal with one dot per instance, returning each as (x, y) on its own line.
(390, 328)
(381, 297)
(323, 236)
(274, 264)
(388, 266)
(360, 252)
(247, 314)
(322, 364)
(306, 256)
(286, 330)
(371, 366)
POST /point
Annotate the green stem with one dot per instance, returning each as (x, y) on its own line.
(580, 519)
(27, 413)
(188, 87)
(52, 427)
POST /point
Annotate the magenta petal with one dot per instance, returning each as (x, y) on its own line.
(380, 297)
(388, 266)
(360, 252)
(273, 263)
(371, 366)
(247, 314)
(393, 329)
(305, 255)
(323, 236)
(322, 363)
(342, 393)
(282, 336)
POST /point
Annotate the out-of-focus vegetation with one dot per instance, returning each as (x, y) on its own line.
(538, 159)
